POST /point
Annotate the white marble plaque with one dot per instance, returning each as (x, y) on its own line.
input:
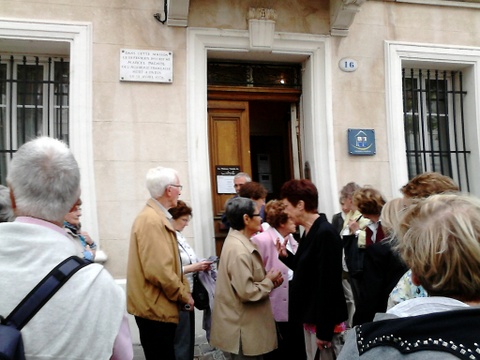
(146, 65)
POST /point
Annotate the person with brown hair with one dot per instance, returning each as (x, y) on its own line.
(185, 332)
(369, 202)
(439, 240)
(426, 184)
(317, 299)
(291, 344)
(257, 192)
(382, 267)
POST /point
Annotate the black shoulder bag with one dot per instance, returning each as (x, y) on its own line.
(11, 343)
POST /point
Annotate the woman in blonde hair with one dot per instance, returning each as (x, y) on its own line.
(421, 186)
(439, 240)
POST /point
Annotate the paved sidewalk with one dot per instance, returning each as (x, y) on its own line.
(203, 351)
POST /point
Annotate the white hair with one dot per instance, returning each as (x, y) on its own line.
(45, 179)
(158, 179)
(243, 175)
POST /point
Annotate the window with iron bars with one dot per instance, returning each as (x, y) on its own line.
(435, 124)
(34, 101)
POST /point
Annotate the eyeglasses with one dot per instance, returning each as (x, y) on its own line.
(177, 186)
(256, 215)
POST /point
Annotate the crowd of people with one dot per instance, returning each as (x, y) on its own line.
(383, 279)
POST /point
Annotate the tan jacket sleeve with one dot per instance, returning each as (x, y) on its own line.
(247, 276)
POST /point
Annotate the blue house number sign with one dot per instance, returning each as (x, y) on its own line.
(361, 142)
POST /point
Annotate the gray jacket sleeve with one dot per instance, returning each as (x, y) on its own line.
(349, 350)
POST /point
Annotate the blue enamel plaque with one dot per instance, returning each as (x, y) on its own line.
(361, 142)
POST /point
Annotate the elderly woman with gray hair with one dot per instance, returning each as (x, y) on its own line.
(242, 322)
(439, 240)
(6, 211)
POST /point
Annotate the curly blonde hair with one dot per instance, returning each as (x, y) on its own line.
(275, 213)
(427, 184)
(440, 241)
(391, 214)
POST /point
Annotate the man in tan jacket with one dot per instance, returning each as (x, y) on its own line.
(156, 287)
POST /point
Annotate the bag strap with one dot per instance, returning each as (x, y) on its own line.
(44, 290)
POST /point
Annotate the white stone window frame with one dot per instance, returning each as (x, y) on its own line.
(466, 59)
(79, 37)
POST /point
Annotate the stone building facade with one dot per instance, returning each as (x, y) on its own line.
(354, 56)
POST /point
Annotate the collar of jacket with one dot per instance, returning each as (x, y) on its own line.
(456, 332)
(272, 232)
(251, 247)
(154, 205)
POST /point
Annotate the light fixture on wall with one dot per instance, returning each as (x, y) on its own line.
(261, 28)
(158, 16)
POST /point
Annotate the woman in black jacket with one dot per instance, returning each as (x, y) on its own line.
(316, 297)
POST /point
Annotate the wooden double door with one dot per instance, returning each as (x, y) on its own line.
(256, 133)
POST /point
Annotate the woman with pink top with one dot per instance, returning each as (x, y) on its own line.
(290, 335)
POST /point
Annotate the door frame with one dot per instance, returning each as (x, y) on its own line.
(316, 107)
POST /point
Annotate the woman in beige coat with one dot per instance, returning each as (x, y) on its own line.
(242, 320)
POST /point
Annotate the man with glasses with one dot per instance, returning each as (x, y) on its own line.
(156, 287)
